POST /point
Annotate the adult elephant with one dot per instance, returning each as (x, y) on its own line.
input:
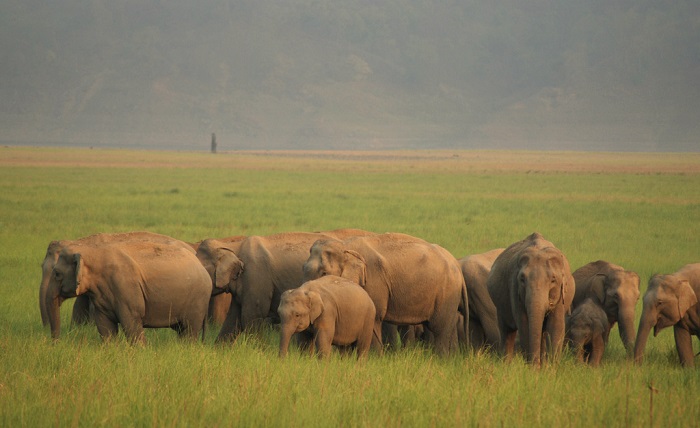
(410, 281)
(257, 270)
(483, 320)
(81, 308)
(135, 284)
(615, 290)
(672, 300)
(532, 288)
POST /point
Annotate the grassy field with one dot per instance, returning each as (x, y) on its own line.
(641, 211)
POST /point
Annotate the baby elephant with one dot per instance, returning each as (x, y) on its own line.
(331, 309)
(587, 331)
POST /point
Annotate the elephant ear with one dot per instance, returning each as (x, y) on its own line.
(315, 305)
(597, 289)
(686, 297)
(228, 268)
(355, 267)
(80, 280)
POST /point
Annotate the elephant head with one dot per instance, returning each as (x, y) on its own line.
(544, 287)
(619, 299)
(221, 263)
(47, 265)
(298, 310)
(666, 302)
(67, 279)
(587, 326)
(616, 290)
(329, 257)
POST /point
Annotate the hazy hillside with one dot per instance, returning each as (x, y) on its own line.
(620, 75)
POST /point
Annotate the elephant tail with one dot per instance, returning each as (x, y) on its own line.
(465, 312)
(204, 329)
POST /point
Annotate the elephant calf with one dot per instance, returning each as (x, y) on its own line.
(334, 310)
(587, 330)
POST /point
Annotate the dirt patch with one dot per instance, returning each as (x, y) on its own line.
(453, 161)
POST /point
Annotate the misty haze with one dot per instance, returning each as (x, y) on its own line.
(352, 74)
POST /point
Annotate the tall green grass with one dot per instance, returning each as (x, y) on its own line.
(644, 221)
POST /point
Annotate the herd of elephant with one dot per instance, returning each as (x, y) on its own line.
(350, 288)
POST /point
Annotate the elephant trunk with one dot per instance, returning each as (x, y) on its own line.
(42, 299)
(626, 326)
(535, 319)
(646, 323)
(286, 332)
(53, 300)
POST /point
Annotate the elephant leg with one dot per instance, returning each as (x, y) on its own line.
(81, 310)
(253, 313)
(509, 344)
(190, 328)
(218, 308)
(524, 335)
(477, 338)
(364, 341)
(304, 341)
(133, 329)
(324, 342)
(408, 335)
(105, 326)
(444, 328)
(555, 326)
(390, 335)
(684, 346)
(232, 324)
(597, 350)
(377, 344)
(545, 345)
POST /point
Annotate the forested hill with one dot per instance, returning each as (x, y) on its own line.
(352, 74)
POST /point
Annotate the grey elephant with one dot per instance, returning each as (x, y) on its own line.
(410, 281)
(532, 288)
(615, 290)
(672, 300)
(82, 308)
(587, 330)
(135, 284)
(330, 311)
(256, 271)
(483, 320)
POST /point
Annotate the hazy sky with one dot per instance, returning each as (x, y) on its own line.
(549, 74)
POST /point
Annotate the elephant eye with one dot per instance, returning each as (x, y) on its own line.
(57, 275)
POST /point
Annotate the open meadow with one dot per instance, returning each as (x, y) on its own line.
(638, 210)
